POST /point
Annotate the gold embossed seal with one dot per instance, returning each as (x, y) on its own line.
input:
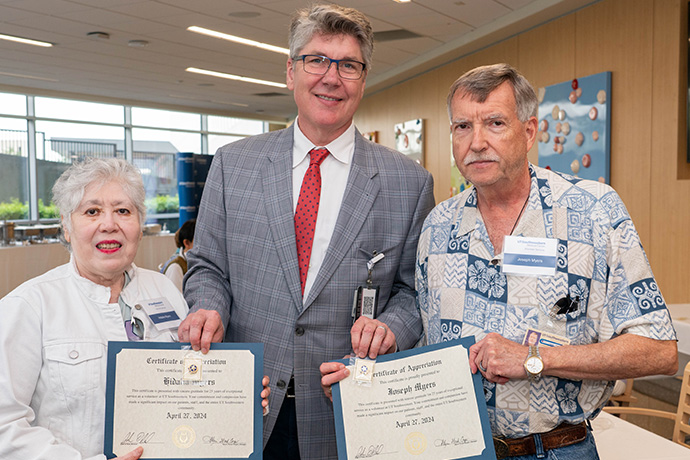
(184, 436)
(415, 443)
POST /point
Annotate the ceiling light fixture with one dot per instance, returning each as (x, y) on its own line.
(233, 38)
(98, 35)
(26, 41)
(402, 1)
(235, 77)
(138, 43)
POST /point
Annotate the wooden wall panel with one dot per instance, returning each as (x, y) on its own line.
(669, 247)
(640, 42)
(545, 65)
(616, 36)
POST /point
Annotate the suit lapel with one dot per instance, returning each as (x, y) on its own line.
(360, 194)
(277, 182)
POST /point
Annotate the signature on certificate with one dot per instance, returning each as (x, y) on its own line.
(223, 441)
(133, 438)
(369, 451)
(453, 442)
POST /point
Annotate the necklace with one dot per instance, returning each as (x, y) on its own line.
(524, 205)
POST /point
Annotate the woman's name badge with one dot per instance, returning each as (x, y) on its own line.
(529, 256)
(161, 313)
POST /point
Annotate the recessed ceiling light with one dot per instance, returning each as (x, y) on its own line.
(235, 77)
(99, 35)
(138, 43)
(233, 38)
(26, 41)
(402, 1)
(244, 14)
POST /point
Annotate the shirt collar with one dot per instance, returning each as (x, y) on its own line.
(468, 216)
(341, 148)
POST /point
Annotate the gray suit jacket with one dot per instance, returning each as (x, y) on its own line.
(244, 265)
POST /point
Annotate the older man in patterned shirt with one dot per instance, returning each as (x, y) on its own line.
(529, 255)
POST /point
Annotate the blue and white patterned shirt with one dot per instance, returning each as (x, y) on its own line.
(600, 259)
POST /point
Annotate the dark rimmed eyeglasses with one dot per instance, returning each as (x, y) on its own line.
(318, 65)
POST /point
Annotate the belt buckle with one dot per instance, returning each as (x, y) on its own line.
(501, 448)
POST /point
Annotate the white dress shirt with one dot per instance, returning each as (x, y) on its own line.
(335, 170)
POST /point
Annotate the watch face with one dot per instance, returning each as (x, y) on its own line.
(534, 365)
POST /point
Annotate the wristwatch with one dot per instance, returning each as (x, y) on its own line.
(534, 364)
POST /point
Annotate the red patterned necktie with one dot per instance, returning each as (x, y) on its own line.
(307, 210)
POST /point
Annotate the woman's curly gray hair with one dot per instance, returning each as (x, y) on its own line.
(68, 190)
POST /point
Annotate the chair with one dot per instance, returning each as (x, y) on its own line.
(625, 398)
(681, 417)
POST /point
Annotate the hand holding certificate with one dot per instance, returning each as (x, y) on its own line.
(180, 404)
(422, 403)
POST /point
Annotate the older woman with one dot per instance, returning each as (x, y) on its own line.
(55, 328)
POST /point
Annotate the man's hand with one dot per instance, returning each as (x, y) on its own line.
(265, 393)
(332, 373)
(200, 329)
(371, 337)
(133, 455)
(498, 359)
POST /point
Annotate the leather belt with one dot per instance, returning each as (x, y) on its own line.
(563, 435)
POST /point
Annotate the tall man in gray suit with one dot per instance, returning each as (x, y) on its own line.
(246, 281)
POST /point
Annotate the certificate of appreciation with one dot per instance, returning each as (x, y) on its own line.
(422, 404)
(180, 404)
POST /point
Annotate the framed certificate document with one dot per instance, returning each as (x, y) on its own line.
(422, 404)
(180, 404)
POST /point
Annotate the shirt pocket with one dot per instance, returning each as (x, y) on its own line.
(75, 368)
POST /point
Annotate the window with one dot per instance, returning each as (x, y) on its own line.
(71, 130)
(66, 109)
(234, 125)
(165, 119)
(216, 141)
(14, 164)
(12, 104)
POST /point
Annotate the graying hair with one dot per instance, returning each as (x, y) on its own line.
(69, 189)
(479, 82)
(331, 20)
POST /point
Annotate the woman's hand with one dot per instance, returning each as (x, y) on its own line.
(133, 455)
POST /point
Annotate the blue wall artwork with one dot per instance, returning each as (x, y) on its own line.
(575, 127)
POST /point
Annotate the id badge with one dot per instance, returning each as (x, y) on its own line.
(529, 256)
(161, 313)
(366, 302)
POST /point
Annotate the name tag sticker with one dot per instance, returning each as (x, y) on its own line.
(161, 313)
(529, 256)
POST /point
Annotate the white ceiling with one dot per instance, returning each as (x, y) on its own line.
(155, 75)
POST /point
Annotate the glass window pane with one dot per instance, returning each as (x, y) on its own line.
(12, 104)
(215, 142)
(67, 109)
(234, 125)
(59, 144)
(14, 163)
(155, 154)
(165, 119)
